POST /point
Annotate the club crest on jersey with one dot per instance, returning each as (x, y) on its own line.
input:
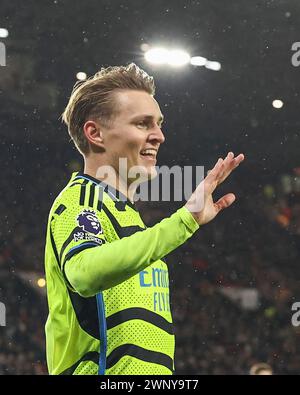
(89, 222)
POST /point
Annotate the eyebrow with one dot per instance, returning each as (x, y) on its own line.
(149, 117)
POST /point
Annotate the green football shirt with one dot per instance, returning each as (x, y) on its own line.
(108, 284)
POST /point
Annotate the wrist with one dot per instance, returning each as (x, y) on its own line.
(189, 218)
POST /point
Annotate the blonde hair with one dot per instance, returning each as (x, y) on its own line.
(261, 368)
(94, 98)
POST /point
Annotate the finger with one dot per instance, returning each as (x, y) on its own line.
(225, 202)
(222, 164)
(239, 159)
(228, 161)
(211, 174)
(212, 180)
(221, 171)
(229, 166)
(218, 173)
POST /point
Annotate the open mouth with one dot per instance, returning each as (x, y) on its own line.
(149, 153)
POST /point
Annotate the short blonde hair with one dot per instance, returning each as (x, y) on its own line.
(94, 99)
(261, 368)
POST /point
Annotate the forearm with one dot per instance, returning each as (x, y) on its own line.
(103, 267)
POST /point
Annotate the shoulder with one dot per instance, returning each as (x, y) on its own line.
(69, 196)
(80, 193)
(79, 200)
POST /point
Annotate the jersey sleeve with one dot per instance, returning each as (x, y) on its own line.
(94, 270)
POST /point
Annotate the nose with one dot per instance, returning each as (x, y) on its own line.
(157, 135)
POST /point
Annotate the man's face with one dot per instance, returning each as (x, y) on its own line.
(135, 133)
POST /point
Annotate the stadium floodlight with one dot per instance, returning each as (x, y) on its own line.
(216, 66)
(198, 61)
(175, 57)
(81, 76)
(3, 33)
(41, 282)
(277, 103)
(157, 55)
(178, 57)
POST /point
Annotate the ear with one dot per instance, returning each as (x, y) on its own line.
(94, 134)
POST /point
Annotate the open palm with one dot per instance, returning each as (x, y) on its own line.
(201, 203)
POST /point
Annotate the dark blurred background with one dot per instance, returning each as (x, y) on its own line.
(234, 283)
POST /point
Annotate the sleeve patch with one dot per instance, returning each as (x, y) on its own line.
(89, 222)
(83, 236)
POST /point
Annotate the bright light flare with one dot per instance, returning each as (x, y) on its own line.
(198, 61)
(157, 55)
(277, 103)
(175, 57)
(178, 58)
(41, 282)
(81, 76)
(3, 33)
(215, 66)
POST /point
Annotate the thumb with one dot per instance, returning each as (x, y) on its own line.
(225, 201)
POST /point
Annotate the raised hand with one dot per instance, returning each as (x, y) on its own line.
(201, 203)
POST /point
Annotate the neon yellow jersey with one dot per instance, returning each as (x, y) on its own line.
(108, 284)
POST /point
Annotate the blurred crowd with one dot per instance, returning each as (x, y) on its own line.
(22, 343)
(254, 246)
